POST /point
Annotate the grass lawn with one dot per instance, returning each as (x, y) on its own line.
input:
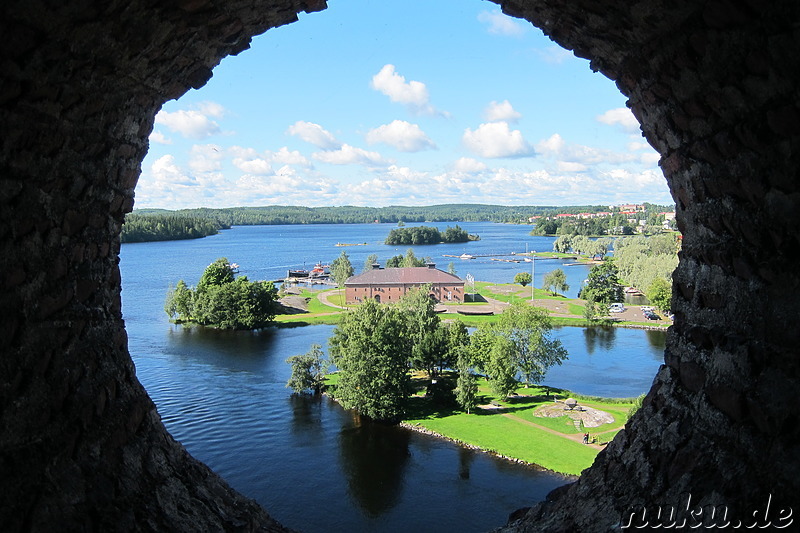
(505, 436)
(512, 432)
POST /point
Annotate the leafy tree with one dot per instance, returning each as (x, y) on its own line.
(555, 281)
(457, 341)
(223, 301)
(180, 302)
(217, 273)
(408, 260)
(308, 371)
(523, 278)
(528, 330)
(660, 294)
(501, 367)
(371, 259)
(466, 387)
(429, 341)
(451, 268)
(411, 260)
(603, 284)
(563, 244)
(341, 269)
(518, 342)
(239, 304)
(590, 310)
(369, 349)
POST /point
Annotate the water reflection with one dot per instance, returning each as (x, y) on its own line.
(465, 458)
(374, 457)
(234, 350)
(603, 337)
(306, 422)
(657, 339)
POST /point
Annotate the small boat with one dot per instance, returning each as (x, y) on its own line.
(475, 312)
(319, 271)
(466, 256)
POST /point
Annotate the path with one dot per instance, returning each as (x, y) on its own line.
(324, 296)
(571, 436)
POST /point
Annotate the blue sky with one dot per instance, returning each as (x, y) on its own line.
(400, 102)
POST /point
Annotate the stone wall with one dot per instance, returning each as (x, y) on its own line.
(82, 446)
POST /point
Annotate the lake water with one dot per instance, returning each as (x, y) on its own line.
(311, 464)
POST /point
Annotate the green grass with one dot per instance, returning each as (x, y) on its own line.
(508, 437)
(513, 437)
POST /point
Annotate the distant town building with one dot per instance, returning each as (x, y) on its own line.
(390, 284)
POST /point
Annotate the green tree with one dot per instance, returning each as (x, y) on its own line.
(466, 387)
(660, 294)
(180, 302)
(451, 268)
(223, 301)
(563, 244)
(429, 341)
(590, 310)
(528, 329)
(217, 273)
(501, 368)
(523, 278)
(411, 260)
(308, 371)
(371, 260)
(341, 269)
(555, 281)
(603, 284)
(370, 351)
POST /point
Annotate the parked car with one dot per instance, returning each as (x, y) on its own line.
(616, 308)
(651, 315)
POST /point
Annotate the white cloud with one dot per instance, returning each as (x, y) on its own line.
(552, 145)
(500, 24)
(501, 111)
(554, 55)
(620, 116)
(469, 165)
(314, 134)
(403, 135)
(635, 145)
(350, 155)
(413, 94)
(205, 158)
(571, 166)
(211, 109)
(165, 170)
(192, 124)
(650, 159)
(290, 158)
(496, 139)
(256, 166)
(159, 138)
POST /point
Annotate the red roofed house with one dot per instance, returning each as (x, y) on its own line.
(390, 284)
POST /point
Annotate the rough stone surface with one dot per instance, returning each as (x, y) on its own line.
(82, 447)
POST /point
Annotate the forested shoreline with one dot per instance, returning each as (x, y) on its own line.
(162, 224)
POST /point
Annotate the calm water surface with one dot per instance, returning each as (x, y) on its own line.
(311, 464)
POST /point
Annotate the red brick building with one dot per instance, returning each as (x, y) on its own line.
(390, 284)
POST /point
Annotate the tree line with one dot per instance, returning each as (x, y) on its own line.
(168, 227)
(376, 346)
(428, 235)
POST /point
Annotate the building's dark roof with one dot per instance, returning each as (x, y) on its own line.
(408, 276)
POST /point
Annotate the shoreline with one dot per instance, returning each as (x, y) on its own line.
(419, 428)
